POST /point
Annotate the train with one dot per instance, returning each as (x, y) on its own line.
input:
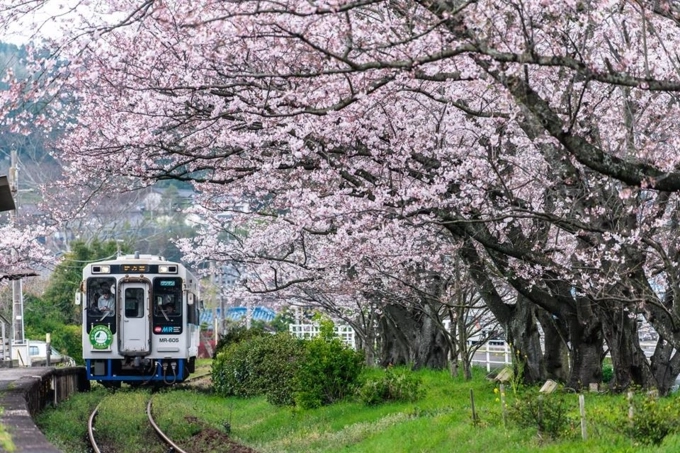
(140, 321)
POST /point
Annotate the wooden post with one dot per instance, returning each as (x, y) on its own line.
(472, 404)
(504, 409)
(582, 408)
(630, 406)
(631, 411)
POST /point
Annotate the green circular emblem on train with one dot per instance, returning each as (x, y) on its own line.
(101, 337)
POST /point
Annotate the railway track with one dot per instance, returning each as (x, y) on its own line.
(161, 435)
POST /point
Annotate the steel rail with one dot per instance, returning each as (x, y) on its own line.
(160, 433)
(90, 430)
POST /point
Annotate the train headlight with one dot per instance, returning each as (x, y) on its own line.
(101, 269)
(165, 269)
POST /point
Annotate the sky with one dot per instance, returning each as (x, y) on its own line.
(47, 21)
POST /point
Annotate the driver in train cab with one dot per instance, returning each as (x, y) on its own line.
(106, 301)
(169, 308)
(94, 308)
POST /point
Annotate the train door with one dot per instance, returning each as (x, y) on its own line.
(134, 333)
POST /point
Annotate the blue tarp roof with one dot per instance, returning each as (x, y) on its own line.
(237, 313)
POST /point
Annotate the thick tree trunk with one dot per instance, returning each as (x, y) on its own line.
(628, 360)
(369, 337)
(555, 349)
(522, 333)
(411, 338)
(586, 352)
(366, 341)
(665, 367)
(518, 321)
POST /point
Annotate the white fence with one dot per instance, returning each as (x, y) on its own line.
(345, 333)
(492, 355)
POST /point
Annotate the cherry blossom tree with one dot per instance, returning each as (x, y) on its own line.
(20, 253)
(537, 139)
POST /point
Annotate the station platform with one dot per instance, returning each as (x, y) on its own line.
(26, 391)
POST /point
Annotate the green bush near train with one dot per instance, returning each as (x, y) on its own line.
(261, 365)
(288, 371)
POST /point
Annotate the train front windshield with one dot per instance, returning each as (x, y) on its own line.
(167, 305)
(101, 302)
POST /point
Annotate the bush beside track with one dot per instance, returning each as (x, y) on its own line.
(288, 371)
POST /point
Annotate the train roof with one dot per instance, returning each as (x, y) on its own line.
(137, 257)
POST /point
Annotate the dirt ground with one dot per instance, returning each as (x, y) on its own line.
(210, 440)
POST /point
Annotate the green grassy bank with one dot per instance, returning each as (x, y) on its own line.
(441, 421)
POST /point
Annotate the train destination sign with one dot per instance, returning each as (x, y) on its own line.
(134, 268)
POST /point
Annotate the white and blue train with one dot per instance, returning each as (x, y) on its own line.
(140, 321)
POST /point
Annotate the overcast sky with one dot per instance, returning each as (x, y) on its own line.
(47, 21)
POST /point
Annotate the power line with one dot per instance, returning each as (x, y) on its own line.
(94, 260)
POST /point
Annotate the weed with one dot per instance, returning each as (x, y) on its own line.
(653, 420)
(395, 385)
(545, 412)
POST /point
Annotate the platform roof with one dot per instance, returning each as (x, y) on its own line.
(6, 274)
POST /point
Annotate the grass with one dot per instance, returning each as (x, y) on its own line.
(439, 422)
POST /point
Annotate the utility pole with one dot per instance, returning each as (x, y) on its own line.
(17, 290)
(217, 280)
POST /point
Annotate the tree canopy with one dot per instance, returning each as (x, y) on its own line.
(382, 146)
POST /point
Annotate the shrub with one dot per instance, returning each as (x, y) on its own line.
(236, 334)
(329, 372)
(545, 412)
(653, 420)
(395, 385)
(309, 373)
(261, 365)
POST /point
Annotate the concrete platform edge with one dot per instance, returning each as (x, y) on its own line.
(26, 391)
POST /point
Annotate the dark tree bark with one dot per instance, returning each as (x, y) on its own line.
(665, 366)
(556, 350)
(517, 320)
(628, 360)
(524, 336)
(585, 335)
(466, 359)
(410, 337)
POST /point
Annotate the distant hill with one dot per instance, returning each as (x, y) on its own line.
(12, 57)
